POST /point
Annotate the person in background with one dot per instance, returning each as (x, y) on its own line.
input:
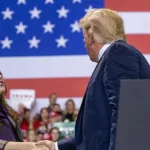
(42, 133)
(52, 101)
(57, 109)
(36, 121)
(46, 136)
(27, 123)
(41, 119)
(42, 128)
(31, 136)
(26, 120)
(39, 136)
(56, 115)
(55, 133)
(44, 124)
(44, 116)
(21, 110)
(70, 112)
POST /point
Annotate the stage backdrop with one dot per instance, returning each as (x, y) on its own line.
(42, 48)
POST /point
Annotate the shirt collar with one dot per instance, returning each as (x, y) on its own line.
(102, 50)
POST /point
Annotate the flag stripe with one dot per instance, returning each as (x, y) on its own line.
(136, 22)
(72, 66)
(70, 87)
(128, 5)
(47, 67)
(140, 41)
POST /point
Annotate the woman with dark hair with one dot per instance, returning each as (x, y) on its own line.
(41, 119)
(9, 118)
(44, 115)
(10, 134)
(55, 133)
(70, 112)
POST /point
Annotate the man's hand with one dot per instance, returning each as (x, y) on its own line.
(49, 144)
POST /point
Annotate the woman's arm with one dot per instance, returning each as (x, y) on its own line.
(20, 146)
(5, 145)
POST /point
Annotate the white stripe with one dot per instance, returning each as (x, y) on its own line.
(136, 22)
(46, 67)
(147, 56)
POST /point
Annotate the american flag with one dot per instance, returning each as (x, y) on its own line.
(42, 48)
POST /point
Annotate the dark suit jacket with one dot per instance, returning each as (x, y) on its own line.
(96, 123)
(9, 130)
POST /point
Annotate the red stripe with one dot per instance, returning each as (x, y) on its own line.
(128, 5)
(141, 42)
(64, 87)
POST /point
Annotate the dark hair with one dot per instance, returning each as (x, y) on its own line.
(42, 111)
(50, 95)
(11, 112)
(54, 128)
(56, 105)
(70, 100)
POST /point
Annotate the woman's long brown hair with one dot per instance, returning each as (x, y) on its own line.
(11, 112)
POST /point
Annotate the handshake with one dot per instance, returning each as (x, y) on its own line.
(45, 145)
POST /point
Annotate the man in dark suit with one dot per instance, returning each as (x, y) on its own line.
(106, 44)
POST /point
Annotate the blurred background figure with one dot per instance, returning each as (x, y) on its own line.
(39, 136)
(52, 101)
(21, 109)
(31, 136)
(57, 114)
(55, 133)
(44, 115)
(71, 112)
(25, 123)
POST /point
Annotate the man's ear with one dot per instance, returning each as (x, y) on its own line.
(91, 39)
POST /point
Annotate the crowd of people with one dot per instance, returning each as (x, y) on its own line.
(40, 127)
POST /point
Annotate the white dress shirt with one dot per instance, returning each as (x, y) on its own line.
(56, 146)
(101, 53)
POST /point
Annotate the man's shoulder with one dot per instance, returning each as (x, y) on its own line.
(122, 48)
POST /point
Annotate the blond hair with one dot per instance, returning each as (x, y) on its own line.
(105, 24)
